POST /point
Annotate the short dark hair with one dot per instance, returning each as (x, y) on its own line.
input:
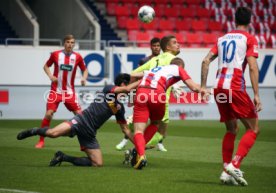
(178, 62)
(165, 41)
(122, 78)
(243, 16)
(154, 40)
(68, 37)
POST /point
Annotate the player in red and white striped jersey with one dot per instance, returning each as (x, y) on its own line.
(150, 102)
(65, 63)
(235, 50)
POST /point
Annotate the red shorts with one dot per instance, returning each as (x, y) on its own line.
(70, 101)
(149, 103)
(238, 105)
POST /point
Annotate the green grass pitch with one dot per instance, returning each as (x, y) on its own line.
(191, 165)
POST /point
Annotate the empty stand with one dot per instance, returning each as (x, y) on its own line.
(195, 23)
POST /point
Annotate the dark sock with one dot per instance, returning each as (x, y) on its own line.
(161, 141)
(40, 131)
(126, 137)
(77, 161)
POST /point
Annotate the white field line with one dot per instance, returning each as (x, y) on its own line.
(15, 190)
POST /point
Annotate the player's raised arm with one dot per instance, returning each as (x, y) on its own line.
(126, 88)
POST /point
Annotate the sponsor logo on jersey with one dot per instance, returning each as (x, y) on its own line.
(66, 67)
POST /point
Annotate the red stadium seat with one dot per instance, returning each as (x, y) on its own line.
(199, 25)
(143, 36)
(187, 12)
(194, 39)
(111, 7)
(121, 22)
(209, 39)
(184, 24)
(160, 34)
(215, 26)
(171, 12)
(151, 26)
(132, 24)
(132, 34)
(166, 25)
(180, 38)
(202, 12)
(122, 10)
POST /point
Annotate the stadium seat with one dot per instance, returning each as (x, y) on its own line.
(194, 39)
(209, 39)
(121, 22)
(143, 36)
(187, 12)
(199, 25)
(165, 24)
(215, 26)
(132, 34)
(184, 24)
(111, 7)
(132, 24)
(122, 10)
(151, 26)
(202, 12)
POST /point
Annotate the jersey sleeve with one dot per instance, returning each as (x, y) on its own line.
(252, 47)
(120, 115)
(109, 89)
(51, 60)
(81, 63)
(214, 49)
(183, 74)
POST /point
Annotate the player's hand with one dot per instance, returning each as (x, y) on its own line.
(257, 102)
(83, 82)
(53, 79)
(177, 90)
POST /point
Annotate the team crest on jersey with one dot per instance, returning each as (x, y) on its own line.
(72, 61)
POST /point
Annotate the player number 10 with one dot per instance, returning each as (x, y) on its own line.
(226, 47)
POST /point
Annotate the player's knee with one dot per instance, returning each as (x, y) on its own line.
(52, 133)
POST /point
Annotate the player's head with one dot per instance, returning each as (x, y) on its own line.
(155, 46)
(69, 43)
(169, 44)
(122, 78)
(243, 16)
(178, 61)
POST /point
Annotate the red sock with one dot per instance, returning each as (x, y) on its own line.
(45, 123)
(140, 143)
(246, 142)
(149, 132)
(228, 147)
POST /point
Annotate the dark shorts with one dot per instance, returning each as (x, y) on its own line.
(86, 141)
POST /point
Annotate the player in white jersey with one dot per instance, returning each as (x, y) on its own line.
(235, 50)
(150, 102)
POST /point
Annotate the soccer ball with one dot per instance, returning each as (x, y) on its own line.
(146, 14)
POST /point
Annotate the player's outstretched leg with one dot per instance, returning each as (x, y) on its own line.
(31, 132)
